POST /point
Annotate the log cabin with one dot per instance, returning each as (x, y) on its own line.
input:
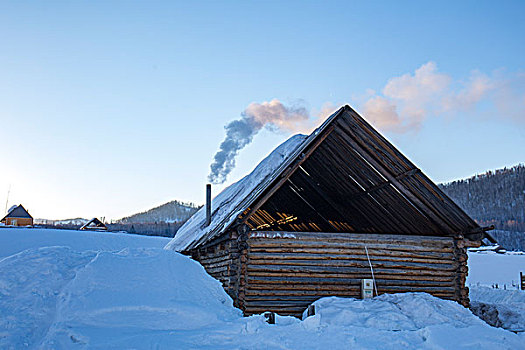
(322, 212)
(18, 216)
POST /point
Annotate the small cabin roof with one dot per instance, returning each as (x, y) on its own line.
(346, 170)
(18, 212)
(94, 224)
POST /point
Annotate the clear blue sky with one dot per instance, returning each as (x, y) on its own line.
(109, 108)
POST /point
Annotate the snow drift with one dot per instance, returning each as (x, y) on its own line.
(136, 298)
(14, 240)
(500, 308)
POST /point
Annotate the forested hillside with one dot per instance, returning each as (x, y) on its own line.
(163, 220)
(495, 198)
(171, 212)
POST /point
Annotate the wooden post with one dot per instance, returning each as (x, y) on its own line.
(311, 310)
(270, 317)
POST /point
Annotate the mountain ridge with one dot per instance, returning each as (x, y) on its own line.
(174, 211)
(495, 197)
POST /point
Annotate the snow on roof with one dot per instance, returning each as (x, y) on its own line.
(119, 291)
(228, 204)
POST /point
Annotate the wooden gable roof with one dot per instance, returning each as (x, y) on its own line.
(94, 224)
(351, 179)
(18, 212)
(345, 177)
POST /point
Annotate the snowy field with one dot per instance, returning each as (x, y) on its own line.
(14, 240)
(488, 268)
(68, 290)
(504, 305)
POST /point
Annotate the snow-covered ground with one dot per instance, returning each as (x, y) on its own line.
(503, 306)
(488, 268)
(14, 240)
(68, 289)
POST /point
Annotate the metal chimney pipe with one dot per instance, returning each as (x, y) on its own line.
(208, 204)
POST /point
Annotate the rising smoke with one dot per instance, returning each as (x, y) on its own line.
(403, 105)
(272, 115)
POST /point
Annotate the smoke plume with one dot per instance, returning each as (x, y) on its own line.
(403, 105)
(271, 115)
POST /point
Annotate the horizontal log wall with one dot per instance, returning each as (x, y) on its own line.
(286, 271)
(224, 259)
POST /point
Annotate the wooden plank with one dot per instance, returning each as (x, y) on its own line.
(338, 169)
(353, 284)
(378, 144)
(308, 264)
(293, 310)
(420, 203)
(293, 299)
(264, 294)
(357, 237)
(348, 270)
(336, 245)
(347, 277)
(289, 239)
(357, 260)
(305, 253)
(285, 175)
(381, 216)
(448, 254)
(342, 260)
(216, 264)
(312, 283)
(216, 259)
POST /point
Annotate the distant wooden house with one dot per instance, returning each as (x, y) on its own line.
(18, 216)
(320, 212)
(94, 225)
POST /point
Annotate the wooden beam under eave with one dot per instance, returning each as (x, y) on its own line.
(286, 174)
(434, 217)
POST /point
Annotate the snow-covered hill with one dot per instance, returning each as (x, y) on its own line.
(65, 222)
(496, 197)
(67, 290)
(171, 212)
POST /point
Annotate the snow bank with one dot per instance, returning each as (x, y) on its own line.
(144, 298)
(394, 312)
(14, 240)
(56, 298)
(409, 321)
(227, 205)
(119, 298)
(500, 308)
(30, 283)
